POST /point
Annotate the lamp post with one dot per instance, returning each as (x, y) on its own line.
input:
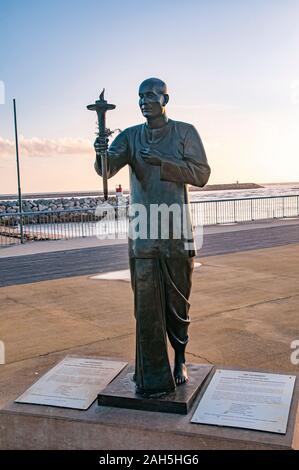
(18, 171)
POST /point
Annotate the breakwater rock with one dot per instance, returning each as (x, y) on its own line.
(59, 210)
(55, 205)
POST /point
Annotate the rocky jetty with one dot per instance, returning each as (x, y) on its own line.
(226, 187)
(54, 205)
(47, 211)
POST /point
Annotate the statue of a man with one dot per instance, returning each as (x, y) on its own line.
(164, 156)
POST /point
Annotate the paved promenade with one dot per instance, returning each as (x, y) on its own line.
(37, 261)
(244, 311)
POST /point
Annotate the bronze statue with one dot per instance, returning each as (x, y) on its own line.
(164, 156)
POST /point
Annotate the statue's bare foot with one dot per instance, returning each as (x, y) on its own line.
(180, 373)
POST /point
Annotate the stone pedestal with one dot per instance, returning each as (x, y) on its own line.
(100, 427)
(121, 392)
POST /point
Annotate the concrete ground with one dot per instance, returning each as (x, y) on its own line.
(42, 261)
(245, 313)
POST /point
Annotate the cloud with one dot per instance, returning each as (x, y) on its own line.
(36, 147)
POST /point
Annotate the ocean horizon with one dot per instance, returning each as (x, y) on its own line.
(267, 190)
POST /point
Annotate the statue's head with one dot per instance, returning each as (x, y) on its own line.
(153, 98)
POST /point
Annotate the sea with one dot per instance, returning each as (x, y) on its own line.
(268, 190)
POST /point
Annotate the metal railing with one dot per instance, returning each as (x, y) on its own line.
(73, 223)
(223, 211)
(62, 224)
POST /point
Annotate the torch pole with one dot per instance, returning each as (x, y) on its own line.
(101, 106)
(103, 155)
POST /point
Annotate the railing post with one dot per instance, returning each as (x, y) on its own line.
(235, 211)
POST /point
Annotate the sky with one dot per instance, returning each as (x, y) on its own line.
(231, 67)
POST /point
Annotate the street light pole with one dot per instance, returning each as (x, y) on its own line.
(18, 171)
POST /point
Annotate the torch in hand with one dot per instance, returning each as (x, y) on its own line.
(101, 107)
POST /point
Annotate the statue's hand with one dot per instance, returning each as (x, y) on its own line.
(153, 157)
(100, 146)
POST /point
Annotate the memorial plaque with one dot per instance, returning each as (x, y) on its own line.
(73, 383)
(244, 399)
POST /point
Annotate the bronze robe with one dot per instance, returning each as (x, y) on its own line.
(161, 269)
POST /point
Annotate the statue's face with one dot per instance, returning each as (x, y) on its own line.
(151, 100)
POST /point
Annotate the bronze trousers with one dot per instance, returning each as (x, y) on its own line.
(161, 289)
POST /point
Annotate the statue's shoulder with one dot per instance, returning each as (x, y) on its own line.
(183, 128)
(131, 131)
